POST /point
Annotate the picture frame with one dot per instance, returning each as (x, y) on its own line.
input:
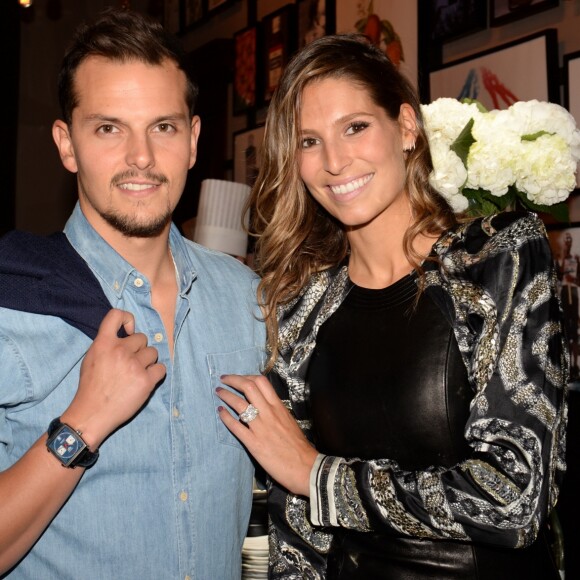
(247, 47)
(572, 83)
(172, 16)
(193, 13)
(454, 20)
(246, 155)
(520, 70)
(503, 11)
(214, 5)
(574, 206)
(571, 68)
(315, 18)
(392, 26)
(565, 244)
(279, 44)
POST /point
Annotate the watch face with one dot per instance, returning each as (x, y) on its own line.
(66, 444)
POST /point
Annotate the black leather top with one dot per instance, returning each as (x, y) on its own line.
(372, 398)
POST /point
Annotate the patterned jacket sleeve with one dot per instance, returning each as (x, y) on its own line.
(497, 283)
(297, 548)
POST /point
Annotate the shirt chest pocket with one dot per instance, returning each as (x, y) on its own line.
(247, 361)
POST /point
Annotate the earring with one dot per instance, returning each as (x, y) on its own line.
(410, 147)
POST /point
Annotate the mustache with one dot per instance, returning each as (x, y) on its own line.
(149, 176)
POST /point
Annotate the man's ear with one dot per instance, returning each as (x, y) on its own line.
(62, 138)
(195, 129)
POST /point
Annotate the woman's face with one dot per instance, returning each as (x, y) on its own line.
(352, 158)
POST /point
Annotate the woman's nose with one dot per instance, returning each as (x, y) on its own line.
(336, 158)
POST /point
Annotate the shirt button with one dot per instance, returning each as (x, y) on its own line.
(158, 337)
(138, 282)
(187, 578)
(175, 412)
(116, 285)
(183, 496)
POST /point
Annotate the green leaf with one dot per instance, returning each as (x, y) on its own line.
(558, 211)
(360, 25)
(475, 102)
(482, 202)
(464, 141)
(535, 136)
(388, 29)
(388, 37)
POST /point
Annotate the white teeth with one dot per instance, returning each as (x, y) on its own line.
(135, 186)
(350, 186)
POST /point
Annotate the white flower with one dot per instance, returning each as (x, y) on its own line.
(530, 149)
(445, 118)
(449, 175)
(545, 170)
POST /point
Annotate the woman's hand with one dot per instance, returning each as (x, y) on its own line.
(273, 437)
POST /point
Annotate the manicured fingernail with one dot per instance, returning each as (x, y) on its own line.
(218, 389)
(220, 409)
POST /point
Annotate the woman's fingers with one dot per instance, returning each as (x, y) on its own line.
(256, 397)
(238, 429)
(235, 402)
(271, 435)
(249, 385)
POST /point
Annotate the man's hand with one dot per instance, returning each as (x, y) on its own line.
(117, 377)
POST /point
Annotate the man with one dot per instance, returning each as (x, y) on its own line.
(137, 477)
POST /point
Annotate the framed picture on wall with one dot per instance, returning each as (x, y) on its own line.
(315, 18)
(215, 4)
(521, 70)
(504, 11)
(572, 84)
(279, 33)
(390, 24)
(247, 52)
(193, 12)
(572, 91)
(565, 244)
(172, 16)
(247, 154)
(452, 20)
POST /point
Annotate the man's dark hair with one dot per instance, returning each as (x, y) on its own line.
(119, 35)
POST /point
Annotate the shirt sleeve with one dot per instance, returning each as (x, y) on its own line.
(509, 328)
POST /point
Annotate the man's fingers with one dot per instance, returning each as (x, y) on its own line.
(157, 371)
(147, 355)
(115, 319)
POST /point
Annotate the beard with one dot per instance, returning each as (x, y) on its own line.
(131, 227)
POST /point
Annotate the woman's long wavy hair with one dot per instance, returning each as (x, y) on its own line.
(294, 235)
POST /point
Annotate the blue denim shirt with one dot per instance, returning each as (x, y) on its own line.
(171, 493)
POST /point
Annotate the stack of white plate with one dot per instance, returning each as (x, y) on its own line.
(255, 558)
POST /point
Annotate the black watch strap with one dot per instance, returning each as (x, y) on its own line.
(73, 454)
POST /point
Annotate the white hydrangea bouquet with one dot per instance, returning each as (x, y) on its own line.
(486, 161)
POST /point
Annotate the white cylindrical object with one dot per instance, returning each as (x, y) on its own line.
(218, 224)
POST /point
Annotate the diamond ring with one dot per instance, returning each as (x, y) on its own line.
(249, 414)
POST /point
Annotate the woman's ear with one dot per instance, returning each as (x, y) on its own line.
(62, 138)
(408, 124)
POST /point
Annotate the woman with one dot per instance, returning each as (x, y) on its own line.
(421, 359)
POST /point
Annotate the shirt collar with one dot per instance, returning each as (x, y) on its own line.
(110, 267)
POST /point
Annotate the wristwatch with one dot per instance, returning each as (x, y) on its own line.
(67, 445)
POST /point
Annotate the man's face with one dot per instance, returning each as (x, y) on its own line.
(131, 143)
